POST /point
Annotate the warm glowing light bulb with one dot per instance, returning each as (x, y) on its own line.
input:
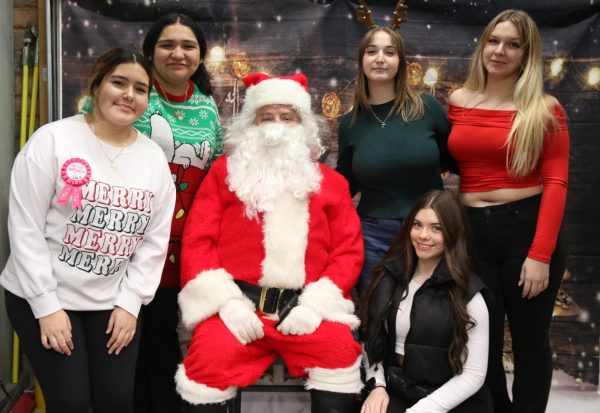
(217, 54)
(83, 102)
(431, 77)
(593, 76)
(556, 66)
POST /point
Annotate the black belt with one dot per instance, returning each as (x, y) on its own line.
(270, 300)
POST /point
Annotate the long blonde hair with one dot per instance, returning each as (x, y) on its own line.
(407, 102)
(534, 108)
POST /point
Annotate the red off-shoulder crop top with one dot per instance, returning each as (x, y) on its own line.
(478, 143)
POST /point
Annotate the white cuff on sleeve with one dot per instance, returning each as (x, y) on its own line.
(44, 304)
(326, 299)
(205, 295)
(129, 301)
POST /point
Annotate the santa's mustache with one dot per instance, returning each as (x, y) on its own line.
(276, 134)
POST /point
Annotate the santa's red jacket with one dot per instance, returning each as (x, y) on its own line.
(313, 244)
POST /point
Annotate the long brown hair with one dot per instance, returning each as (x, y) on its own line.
(407, 102)
(457, 256)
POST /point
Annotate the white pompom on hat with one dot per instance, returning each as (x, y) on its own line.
(263, 90)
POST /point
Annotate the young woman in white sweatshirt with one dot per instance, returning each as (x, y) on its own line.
(90, 210)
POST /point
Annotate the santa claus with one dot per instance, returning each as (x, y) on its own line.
(271, 249)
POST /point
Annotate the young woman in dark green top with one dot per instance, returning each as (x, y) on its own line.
(391, 145)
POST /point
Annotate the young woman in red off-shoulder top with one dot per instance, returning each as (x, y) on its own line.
(511, 142)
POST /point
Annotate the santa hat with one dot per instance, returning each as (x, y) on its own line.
(263, 90)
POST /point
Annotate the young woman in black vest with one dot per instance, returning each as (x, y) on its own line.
(425, 319)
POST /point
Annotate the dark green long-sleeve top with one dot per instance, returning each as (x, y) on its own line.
(393, 166)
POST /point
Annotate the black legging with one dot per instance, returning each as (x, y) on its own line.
(503, 235)
(159, 355)
(89, 377)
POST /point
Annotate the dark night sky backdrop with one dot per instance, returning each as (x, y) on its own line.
(320, 38)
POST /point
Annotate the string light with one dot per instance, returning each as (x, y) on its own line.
(593, 77)
(84, 102)
(431, 77)
(217, 54)
(556, 66)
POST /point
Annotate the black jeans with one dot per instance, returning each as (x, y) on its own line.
(89, 377)
(158, 356)
(503, 235)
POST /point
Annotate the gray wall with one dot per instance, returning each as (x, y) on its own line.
(7, 153)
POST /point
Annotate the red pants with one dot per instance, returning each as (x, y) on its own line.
(218, 360)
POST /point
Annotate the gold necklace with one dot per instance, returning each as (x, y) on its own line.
(178, 113)
(113, 167)
(382, 122)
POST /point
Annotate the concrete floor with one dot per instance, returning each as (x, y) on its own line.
(567, 396)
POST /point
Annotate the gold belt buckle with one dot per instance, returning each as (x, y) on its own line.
(263, 298)
(279, 298)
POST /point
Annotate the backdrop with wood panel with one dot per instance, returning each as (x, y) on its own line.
(320, 38)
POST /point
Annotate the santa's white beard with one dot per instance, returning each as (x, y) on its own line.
(268, 160)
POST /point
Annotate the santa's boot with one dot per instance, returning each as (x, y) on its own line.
(203, 408)
(335, 390)
(330, 402)
(199, 398)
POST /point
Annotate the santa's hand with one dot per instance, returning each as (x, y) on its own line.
(301, 320)
(242, 321)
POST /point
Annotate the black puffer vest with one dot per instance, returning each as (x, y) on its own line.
(431, 319)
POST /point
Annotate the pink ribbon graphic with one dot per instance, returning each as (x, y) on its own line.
(75, 172)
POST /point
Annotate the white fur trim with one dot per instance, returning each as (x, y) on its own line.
(197, 393)
(326, 299)
(276, 91)
(285, 230)
(344, 380)
(204, 296)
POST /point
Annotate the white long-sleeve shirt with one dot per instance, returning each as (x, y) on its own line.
(108, 253)
(460, 387)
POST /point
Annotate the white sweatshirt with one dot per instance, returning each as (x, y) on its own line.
(110, 252)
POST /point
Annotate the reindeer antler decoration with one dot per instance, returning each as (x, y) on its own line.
(400, 15)
(364, 15)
